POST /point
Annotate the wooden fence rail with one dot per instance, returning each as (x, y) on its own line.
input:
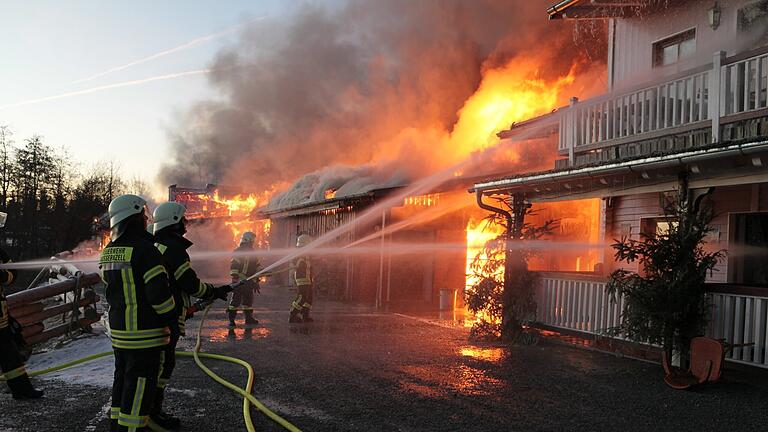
(28, 309)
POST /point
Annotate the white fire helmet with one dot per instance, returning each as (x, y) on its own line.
(125, 206)
(167, 214)
(247, 238)
(303, 240)
(3, 218)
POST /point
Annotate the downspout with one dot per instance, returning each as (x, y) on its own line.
(506, 291)
(507, 215)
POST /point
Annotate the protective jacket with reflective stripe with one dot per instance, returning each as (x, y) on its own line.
(303, 273)
(6, 278)
(141, 307)
(242, 266)
(183, 278)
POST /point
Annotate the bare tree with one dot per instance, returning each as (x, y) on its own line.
(138, 186)
(6, 163)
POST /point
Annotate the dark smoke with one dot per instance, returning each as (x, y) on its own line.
(369, 85)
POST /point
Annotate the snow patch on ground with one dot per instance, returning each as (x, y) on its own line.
(186, 392)
(296, 409)
(99, 372)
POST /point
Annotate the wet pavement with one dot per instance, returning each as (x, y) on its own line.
(354, 370)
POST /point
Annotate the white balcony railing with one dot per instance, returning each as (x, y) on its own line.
(698, 99)
(581, 303)
(744, 85)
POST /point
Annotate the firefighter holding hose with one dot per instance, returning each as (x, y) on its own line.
(143, 318)
(304, 283)
(242, 267)
(11, 361)
(169, 228)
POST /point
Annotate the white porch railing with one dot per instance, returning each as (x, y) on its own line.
(741, 319)
(577, 304)
(695, 100)
(581, 303)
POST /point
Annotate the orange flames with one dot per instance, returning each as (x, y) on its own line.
(478, 234)
(235, 211)
(506, 95)
(427, 200)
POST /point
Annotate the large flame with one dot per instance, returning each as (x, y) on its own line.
(478, 234)
(235, 211)
(506, 95)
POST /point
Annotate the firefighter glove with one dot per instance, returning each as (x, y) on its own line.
(220, 292)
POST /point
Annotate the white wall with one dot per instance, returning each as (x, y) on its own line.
(634, 38)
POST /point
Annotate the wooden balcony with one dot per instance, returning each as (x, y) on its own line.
(720, 101)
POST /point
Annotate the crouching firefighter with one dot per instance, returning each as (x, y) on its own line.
(243, 266)
(11, 361)
(303, 276)
(142, 312)
(169, 229)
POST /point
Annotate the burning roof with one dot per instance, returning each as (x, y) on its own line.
(601, 9)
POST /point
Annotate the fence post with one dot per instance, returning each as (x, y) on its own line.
(717, 97)
(571, 130)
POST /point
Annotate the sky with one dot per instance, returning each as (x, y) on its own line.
(48, 47)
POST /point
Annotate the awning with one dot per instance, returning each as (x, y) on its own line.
(717, 165)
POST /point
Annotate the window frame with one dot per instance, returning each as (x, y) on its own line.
(740, 28)
(677, 39)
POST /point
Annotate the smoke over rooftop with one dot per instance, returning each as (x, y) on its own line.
(370, 94)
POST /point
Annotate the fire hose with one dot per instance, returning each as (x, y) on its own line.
(248, 398)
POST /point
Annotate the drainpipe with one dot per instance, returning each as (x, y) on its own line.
(380, 285)
(506, 292)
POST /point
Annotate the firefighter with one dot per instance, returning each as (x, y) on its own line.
(11, 361)
(303, 276)
(142, 312)
(169, 228)
(241, 268)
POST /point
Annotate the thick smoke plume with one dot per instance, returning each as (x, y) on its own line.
(361, 96)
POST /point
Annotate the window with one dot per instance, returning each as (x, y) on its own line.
(748, 252)
(656, 226)
(674, 48)
(753, 18)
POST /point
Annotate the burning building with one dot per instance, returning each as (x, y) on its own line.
(685, 109)
(401, 281)
(218, 216)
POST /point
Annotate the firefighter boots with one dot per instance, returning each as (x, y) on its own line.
(295, 318)
(232, 315)
(21, 388)
(249, 319)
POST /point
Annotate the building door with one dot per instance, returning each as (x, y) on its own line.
(749, 249)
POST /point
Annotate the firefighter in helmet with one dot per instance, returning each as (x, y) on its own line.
(242, 266)
(169, 228)
(143, 318)
(11, 361)
(303, 276)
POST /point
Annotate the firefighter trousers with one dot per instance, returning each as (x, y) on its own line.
(134, 388)
(10, 361)
(167, 365)
(303, 301)
(242, 298)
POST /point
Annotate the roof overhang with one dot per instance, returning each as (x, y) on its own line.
(354, 201)
(737, 163)
(538, 127)
(596, 9)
